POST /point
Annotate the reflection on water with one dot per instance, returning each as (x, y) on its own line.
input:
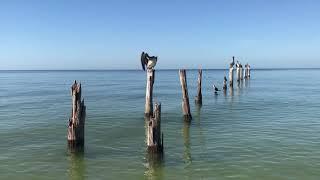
(154, 161)
(154, 166)
(186, 137)
(77, 166)
(231, 91)
(239, 88)
(246, 83)
(268, 132)
(198, 109)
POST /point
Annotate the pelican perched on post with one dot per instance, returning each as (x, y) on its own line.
(148, 61)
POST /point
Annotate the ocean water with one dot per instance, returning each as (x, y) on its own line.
(266, 128)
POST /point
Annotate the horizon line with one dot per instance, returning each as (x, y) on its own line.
(156, 69)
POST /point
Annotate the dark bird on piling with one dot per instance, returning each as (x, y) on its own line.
(232, 64)
(147, 61)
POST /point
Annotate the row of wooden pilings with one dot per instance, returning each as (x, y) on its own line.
(152, 114)
(239, 72)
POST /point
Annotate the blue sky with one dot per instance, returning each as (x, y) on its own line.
(75, 34)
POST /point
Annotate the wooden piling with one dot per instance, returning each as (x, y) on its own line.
(231, 76)
(155, 137)
(198, 99)
(77, 119)
(185, 97)
(241, 72)
(149, 92)
(238, 72)
(248, 69)
(225, 86)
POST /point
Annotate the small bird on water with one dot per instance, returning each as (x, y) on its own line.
(148, 61)
(215, 89)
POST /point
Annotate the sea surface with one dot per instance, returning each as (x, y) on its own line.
(268, 127)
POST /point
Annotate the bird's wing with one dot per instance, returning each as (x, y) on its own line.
(143, 59)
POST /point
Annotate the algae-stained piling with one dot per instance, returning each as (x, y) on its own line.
(149, 93)
(154, 135)
(77, 119)
(198, 99)
(185, 97)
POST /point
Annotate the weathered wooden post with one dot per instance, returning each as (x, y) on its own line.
(155, 137)
(185, 97)
(249, 75)
(241, 72)
(198, 99)
(77, 120)
(238, 71)
(231, 72)
(231, 76)
(149, 93)
(246, 71)
(225, 86)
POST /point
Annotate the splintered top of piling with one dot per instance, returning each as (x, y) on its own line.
(76, 87)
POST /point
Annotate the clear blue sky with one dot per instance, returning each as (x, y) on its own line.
(75, 34)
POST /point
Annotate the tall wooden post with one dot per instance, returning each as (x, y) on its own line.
(238, 72)
(241, 72)
(246, 71)
(77, 120)
(149, 93)
(198, 99)
(185, 97)
(231, 75)
(225, 86)
(155, 137)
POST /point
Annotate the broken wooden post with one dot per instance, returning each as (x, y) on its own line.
(149, 92)
(198, 99)
(155, 137)
(238, 71)
(231, 72)
(77, 120)
(241, 72)
(246, 71)
(225, 86)
(185, 97)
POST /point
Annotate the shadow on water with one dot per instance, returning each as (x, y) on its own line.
(77, 166)
(186, 137)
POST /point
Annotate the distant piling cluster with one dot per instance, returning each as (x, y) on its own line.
(239, 72)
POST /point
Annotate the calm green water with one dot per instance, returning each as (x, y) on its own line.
(268, 128)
